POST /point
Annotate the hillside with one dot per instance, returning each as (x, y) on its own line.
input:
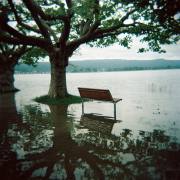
(103, 65)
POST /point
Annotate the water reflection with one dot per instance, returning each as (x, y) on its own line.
(38, 144)
(9, 118)
(99, 123)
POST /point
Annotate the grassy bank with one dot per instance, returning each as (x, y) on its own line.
(70, 99)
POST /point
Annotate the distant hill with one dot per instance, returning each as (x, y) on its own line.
(103, 65)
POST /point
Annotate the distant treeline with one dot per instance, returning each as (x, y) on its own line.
(103, 66)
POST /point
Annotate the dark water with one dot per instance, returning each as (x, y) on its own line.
(56, 142)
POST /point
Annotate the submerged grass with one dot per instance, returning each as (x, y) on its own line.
(70, 99)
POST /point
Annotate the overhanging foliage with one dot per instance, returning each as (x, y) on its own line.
(49, 24)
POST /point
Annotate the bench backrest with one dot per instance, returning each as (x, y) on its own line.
(97, 94)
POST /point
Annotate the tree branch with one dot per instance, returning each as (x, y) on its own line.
(69, 4)
(116, 27)
(12, 31)
(50, 30)
(94, 36)
(31, 41)
(19, 52)
(32, 7)
(90, 33)
(19, 20)
(95, 33)
(44, 16)
(1, 48)
(127, 15)
(67, 25)
(65, 33)
(95, 25)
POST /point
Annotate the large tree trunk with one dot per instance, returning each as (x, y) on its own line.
(7, 78)
(58, 86)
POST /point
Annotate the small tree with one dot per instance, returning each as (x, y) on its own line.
(60, 27)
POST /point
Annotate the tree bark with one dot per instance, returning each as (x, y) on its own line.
(7, 78)
(58, 87)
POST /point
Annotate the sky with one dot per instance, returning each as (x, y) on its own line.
(118, 52)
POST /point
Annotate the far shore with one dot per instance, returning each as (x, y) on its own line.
(148, 69)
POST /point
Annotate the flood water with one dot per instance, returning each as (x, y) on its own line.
(56, 142)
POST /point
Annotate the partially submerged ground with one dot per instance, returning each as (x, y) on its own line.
(70, 99)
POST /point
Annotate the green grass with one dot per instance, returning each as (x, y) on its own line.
(70, 99)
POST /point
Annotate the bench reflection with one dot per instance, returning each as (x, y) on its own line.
(97, 122)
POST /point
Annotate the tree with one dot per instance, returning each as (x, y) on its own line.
(9, 57)
(166, 9)
(61, 27)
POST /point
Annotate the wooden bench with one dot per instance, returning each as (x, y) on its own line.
(98, 94)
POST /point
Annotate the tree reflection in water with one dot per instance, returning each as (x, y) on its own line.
(50, 145)
(9, 118)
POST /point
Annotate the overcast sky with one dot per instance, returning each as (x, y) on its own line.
(119, 52)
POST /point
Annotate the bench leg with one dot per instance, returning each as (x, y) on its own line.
(114, 111)
(82, 107)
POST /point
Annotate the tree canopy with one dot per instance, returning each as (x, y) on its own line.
(46, 23)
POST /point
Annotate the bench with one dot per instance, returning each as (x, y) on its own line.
(97, 94)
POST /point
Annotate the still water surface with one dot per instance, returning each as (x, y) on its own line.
(56, 142)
